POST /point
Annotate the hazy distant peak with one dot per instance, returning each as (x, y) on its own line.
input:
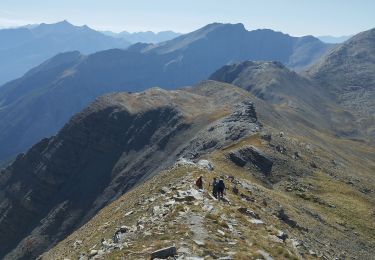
(63, 23)
(310, 39)
(216, 26)
(183, 41)
(334, 39)
(63, 26)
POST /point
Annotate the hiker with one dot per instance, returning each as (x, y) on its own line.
(214, 187)
(220, 188)
(199, 182)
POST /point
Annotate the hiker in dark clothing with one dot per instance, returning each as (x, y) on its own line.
(199, 182)
(214, 187)
(220, 188)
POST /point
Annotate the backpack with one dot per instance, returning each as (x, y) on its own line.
(221, 184)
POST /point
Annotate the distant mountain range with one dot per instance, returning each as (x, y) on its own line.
(24, 48)
(145, 37)
(39, 103)
(334, 39)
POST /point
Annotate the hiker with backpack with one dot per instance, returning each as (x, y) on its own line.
(220, 189)
(199, 182)
(214, 187)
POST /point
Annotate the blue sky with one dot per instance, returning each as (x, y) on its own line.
(296, 17)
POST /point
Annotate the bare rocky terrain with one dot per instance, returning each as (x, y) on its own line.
(308, 206)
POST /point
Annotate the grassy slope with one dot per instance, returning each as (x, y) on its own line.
(329, 201)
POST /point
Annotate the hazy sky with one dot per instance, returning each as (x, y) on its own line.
(296, 17)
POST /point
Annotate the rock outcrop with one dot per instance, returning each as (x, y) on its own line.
(249, 155)
(242, 122)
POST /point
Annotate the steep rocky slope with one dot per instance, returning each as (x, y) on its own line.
(347, 73)
(115, 143)
(52, 98)
(301, 98)
(316, 202)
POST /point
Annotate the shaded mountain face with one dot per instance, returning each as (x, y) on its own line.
(270, 81)
(24, 48)
(347, 73)
(108, 148)
(233, 43)
(54, 97)
(144, 37)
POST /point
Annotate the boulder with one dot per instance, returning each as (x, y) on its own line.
(184, 162)
(283, 236)
(93, 253)
(284, 217)
(281, 149)
(205, 164)
(249, 155)
(264, 254)
(188, 195)
(164, 253)
(256, 221)
(292, 223)
(199, 243)
(164, 190)
(266, 136)
(313, 165)
(119, 235)
(248, 212)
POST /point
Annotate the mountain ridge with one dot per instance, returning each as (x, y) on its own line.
(144, 37)
(105, 150)
(272, 139)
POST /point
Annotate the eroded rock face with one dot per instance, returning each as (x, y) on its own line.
(242, 122)
(250, 155)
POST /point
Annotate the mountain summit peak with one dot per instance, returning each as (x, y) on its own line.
(66, 22)
(229, 26)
